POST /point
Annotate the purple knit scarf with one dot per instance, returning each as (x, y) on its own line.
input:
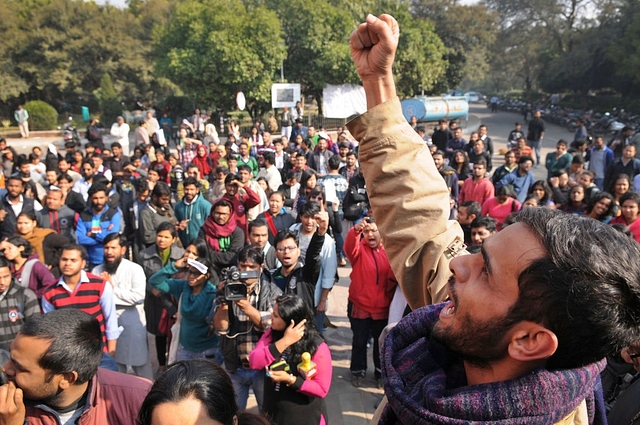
(426, 384)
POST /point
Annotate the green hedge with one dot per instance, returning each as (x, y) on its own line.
(42, 116)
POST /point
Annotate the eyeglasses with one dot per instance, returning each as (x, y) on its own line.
(286, 248)
(632, 355)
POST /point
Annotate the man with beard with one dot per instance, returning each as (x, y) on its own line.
(54, 376)
(259, 237)
(82, 186)
(95, 223)
(191, 211)
(448, 174)
(12, 205)
(531, 316)
(129, 284)
(157, 211)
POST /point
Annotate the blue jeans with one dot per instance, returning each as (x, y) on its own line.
(212, 354)
(242, 380)
(600, 183)
(536, 145)
(319, 319)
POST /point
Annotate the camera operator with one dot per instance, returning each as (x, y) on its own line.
(244, 313)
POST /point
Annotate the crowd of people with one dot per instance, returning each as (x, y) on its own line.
(227, 253)
(155, 240)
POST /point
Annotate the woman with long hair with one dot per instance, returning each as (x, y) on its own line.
(308, 182)
(543, 191)
(26, 269)
(460, 163)
(620, 185)
(46, 243)
(575, 204)
(601, 207)
(289, 398)
(500, 206)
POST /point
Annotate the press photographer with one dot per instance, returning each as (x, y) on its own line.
(246, 300)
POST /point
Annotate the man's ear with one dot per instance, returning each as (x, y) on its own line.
(532, 342)
(68, 379)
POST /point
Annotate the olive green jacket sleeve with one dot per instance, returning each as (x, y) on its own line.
(410, 203)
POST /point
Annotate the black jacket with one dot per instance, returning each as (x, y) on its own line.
(8, 225)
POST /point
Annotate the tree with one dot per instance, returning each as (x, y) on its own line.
(212, 55)
(467, 31)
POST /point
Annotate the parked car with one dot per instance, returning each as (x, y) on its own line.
(474, 96)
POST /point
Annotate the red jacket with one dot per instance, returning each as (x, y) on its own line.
(372, 280)
(115, 399)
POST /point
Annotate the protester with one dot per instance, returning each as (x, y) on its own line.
(290, 397)
(514, 322)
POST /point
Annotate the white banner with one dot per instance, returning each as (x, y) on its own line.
(344, 101)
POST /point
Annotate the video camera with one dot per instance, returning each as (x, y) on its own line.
(234, 290)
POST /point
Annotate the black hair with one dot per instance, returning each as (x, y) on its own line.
(15, 177)
(614, 180)
(309, 208)
(167, 226)
(114, 236)
(488, 222)
(597, 198)
(473, 207)
(624, 229)
(161, 189)
(559, 172)
(283, 235)
(548, 193)
(630, 195)
(525, 158)
(590, 296)
(292, 307)
(65, 176)
(232, 177)
(244, 167)
(251, 253)
(95, 188)
(532, 196)
(76, 342)
(141, 184)
(258, 222)
(76, 247)
(270, 157)
(29, 214)
(18, 242)
(506, 191)
(199, 379)
(577, 159)
(439, 152)
(222, 203)
(202, 248)
(5, 263)
(88, 161)
(190, 181)
(304, 178)
(334, 162)
(100, 179)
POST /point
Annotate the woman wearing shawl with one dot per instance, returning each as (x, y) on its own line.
(222, 234)
(203, 162)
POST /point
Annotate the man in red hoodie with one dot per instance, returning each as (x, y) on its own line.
(370, 294)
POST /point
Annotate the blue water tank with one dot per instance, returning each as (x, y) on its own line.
(428, 109)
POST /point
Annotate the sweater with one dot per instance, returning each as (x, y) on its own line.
(194, 309)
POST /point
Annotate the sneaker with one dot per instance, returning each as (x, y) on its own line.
(379, 383)
(356, 381)
(342, 262)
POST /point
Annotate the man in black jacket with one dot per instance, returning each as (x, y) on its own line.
(241, 324)
(293, 277)
(12, 205)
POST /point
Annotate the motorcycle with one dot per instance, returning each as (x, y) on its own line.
(70, 133)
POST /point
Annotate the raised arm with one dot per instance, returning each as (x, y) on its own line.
(409, 198)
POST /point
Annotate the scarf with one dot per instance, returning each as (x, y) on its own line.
(425, 383)
(202, 162)
(214, 232)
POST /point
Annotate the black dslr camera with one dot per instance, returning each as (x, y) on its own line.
(234, 290)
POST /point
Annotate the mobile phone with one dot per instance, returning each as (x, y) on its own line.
(281, 365)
